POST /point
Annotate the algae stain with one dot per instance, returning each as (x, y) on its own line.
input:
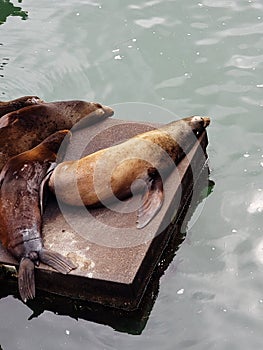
(7, 9)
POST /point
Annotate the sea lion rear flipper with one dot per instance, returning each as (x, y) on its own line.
(56, 260)
(26, 279)
(152, 199)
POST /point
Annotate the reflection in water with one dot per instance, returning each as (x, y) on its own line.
(8, 9)
(256, 204)
(132, 322)
(259, 252)
(234, 203)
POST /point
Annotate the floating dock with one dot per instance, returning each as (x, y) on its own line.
(115, 259)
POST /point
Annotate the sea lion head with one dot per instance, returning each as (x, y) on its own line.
(31, 100)
(87, 113)
(23, 102)
(197, 123)
(18, 103)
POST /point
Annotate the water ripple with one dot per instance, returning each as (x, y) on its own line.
(191, 58)
(245, 62)
(144, 5)
(150, 22)
(242, 30)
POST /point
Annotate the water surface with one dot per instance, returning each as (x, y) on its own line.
(196, 57)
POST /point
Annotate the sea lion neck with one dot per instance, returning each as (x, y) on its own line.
(46, 150)
(53, 142)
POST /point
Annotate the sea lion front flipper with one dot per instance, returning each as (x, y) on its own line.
(43, 187)
(152, 199)
(60, 155)
(56, 260)
(26, 279)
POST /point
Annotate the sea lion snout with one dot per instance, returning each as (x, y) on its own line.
(200, 121)
(34, 100)
(206, 121)
(108, 111)
(100, 109)
(94, 112)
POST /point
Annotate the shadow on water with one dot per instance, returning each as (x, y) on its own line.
(132, 322)
(8, 9)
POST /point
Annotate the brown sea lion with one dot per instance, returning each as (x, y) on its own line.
(144, 156)
(18, 103)
(24, 129)
(20, 212)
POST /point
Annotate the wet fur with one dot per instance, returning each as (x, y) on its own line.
(20, 216)
(18, 103)
(25, 128)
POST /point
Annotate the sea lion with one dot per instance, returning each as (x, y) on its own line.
(24, 129)
(144, 156)
(20, 212)
(18, 103)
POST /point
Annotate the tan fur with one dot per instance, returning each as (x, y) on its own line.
(99, 176)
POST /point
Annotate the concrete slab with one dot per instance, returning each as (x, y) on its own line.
(116, 260)
(132, 322)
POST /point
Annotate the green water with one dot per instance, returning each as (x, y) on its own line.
(186, 57)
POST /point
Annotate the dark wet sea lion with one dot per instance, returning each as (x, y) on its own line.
(20, 212)
(25, 128)
(18, 103)
(110, 172)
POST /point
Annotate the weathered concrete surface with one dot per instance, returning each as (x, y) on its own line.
(116, 260)
(132, 322)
